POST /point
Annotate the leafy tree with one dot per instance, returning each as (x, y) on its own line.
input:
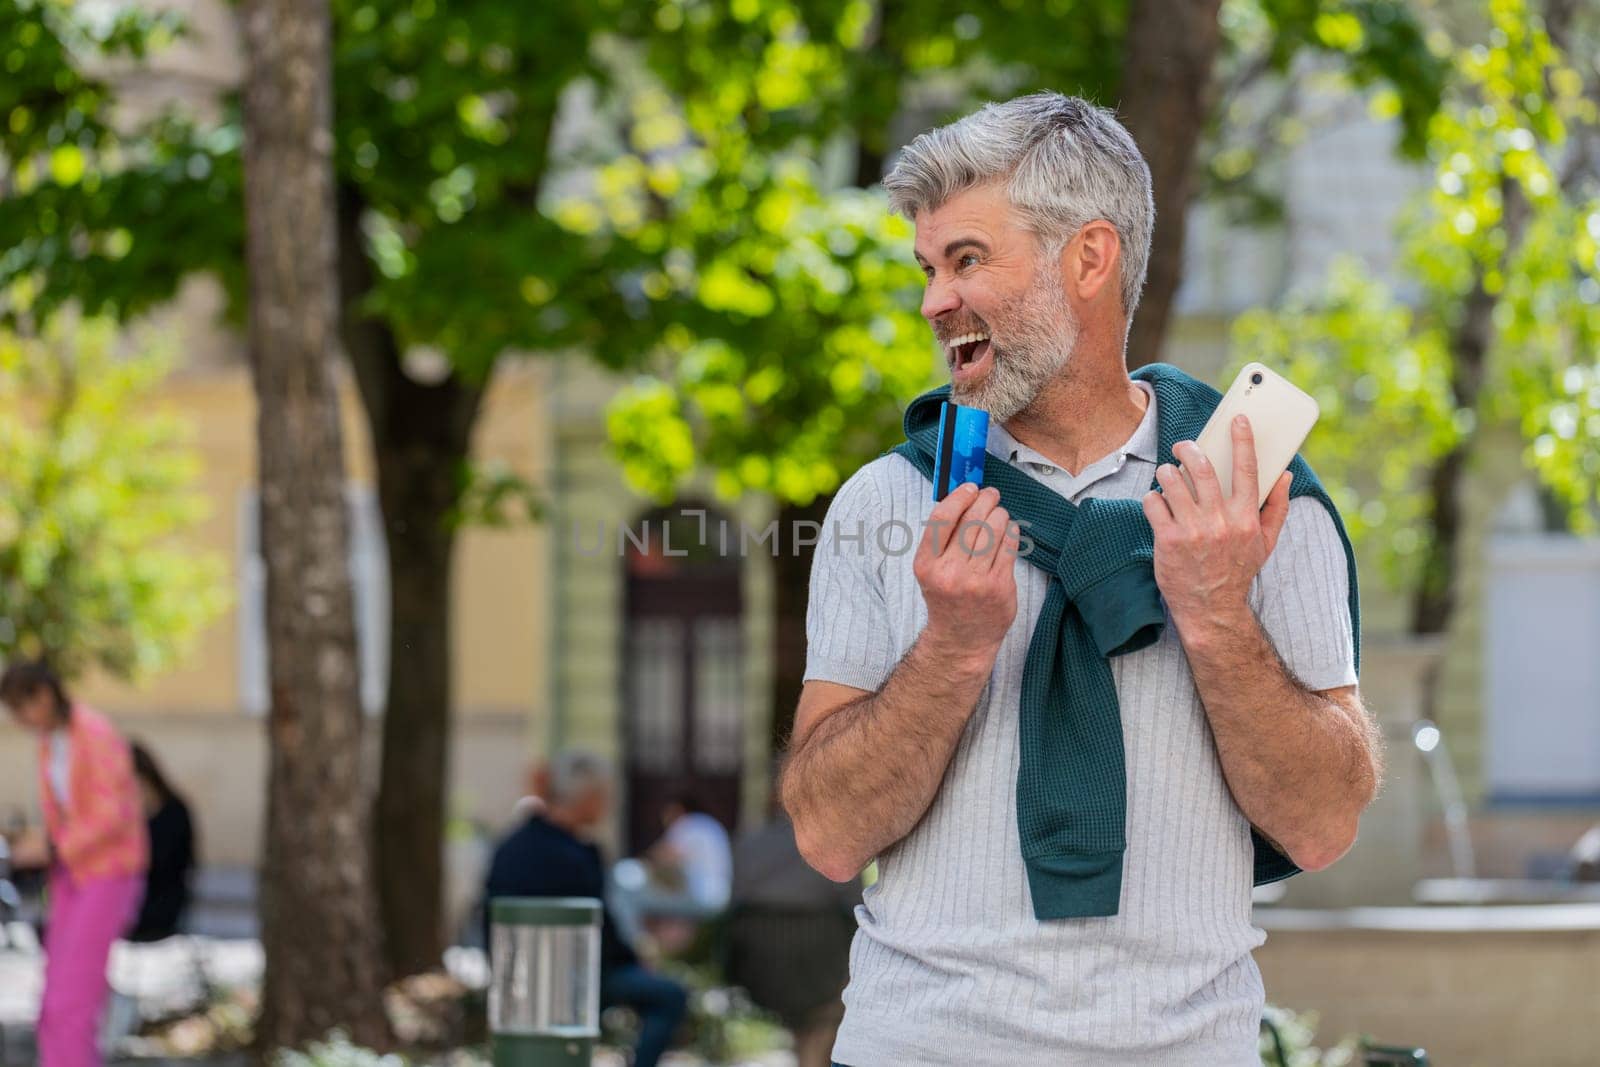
(441, 148)
(789, 341)
(698, 222)
(90, 217)
(320, 928)
(96, 498)
(1503, 253)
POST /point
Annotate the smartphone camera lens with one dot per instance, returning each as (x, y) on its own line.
(1255, 379)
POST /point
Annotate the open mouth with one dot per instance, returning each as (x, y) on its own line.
(968, 354)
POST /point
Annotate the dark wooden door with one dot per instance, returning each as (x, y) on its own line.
(683, 671)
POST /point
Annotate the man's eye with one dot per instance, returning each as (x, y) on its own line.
(970, 259)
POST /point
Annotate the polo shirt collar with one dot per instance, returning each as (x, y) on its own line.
(1142, 445)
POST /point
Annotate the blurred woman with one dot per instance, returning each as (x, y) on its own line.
(172, 851)
(94, 845)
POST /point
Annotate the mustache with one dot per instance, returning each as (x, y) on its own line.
(944, 331)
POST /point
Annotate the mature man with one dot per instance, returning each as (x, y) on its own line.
(549, 856)
(1051, 889)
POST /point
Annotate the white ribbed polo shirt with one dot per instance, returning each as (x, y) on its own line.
(949, 965)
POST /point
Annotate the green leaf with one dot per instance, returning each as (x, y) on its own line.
(98, 502)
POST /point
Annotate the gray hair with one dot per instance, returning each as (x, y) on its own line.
(1067, 162)
(574, 771)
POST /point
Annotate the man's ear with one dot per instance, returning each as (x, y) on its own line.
(540, 780)
(1089, 261)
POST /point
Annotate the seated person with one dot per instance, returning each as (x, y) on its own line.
(687, 873)
(549, 855)
(694, 850)
(172, 852)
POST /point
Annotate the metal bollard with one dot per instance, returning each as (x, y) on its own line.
(544, 985)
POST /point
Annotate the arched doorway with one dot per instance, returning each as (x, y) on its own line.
(683, 666)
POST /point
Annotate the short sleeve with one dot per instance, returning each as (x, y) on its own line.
(1303, 598)
(847, 615)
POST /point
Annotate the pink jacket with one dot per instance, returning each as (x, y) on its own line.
(101, 834)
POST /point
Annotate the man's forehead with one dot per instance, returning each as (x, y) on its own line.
(983, 212)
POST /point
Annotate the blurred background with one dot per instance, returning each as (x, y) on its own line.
(618, 292)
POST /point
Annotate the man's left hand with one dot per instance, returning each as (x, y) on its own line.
(1210, 547)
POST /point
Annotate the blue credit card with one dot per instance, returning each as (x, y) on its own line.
(963, 438)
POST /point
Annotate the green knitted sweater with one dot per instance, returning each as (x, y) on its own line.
(1102, 601)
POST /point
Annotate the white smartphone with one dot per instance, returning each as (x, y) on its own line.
(1281, 415)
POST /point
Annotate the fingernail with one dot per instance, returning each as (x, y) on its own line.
(1240, 420)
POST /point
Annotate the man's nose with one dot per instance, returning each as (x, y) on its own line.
(938, 298)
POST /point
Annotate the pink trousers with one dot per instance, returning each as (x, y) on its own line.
(85, 918)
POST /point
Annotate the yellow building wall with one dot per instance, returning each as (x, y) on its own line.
(191, 715)
(499, 641)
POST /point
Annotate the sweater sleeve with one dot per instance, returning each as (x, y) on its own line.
(847, 617)
(1302, 597)
(106, 803)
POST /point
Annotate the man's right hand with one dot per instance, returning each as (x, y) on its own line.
(864, 766)
(964, 566)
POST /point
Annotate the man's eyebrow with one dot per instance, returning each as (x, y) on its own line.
(962, 242)
(954, 246)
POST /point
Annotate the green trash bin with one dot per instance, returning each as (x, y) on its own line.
(544, 980)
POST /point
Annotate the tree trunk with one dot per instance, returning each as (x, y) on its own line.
(421, 438)
(318, 914)
(1167, 92)
(791, 578)
(872, 131)
(417, 488)
(1434, 602)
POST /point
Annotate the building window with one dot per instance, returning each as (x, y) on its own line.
(369, 576)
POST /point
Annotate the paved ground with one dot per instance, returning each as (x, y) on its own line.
(166, 974)
(19, 993)
(167, 977)
(21, 978)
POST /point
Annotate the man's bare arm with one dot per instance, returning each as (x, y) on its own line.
(1302, 765)
(864, 767)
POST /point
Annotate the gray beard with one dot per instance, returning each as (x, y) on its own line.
(1040, 332)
